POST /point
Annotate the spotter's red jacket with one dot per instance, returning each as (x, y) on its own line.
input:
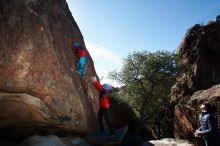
(103, 101)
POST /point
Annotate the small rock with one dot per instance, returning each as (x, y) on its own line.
(170, 142)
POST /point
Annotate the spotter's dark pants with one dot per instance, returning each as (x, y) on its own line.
(104, 112)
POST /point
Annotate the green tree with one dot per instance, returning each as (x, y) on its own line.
(146, 79)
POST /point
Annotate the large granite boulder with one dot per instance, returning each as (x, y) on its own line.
(198, 78)
(39, 93)
(123, 115)
(198, 60)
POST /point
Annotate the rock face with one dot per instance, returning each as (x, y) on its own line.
(122, 115)
(198, 79)
(38, 91)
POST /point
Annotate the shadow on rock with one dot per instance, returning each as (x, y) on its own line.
(53, 140)
(132, 140)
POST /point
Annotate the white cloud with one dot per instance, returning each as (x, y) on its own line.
(104, 60)
(98, 51)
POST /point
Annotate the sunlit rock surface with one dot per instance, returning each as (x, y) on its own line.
(39, 93)
(167, 142)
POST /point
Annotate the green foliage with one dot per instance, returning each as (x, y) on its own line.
(146, 79)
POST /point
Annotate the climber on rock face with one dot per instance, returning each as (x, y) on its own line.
(80, 58)
(104, 105)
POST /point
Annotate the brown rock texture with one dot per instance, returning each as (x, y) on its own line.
(198, 79)
(38, 90)
(122, 115)
(198, 60)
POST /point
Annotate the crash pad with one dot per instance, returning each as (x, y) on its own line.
(104, 138)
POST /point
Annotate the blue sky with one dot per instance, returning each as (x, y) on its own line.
(114, 28)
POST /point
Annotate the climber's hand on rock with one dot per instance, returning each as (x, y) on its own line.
(93, 78)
